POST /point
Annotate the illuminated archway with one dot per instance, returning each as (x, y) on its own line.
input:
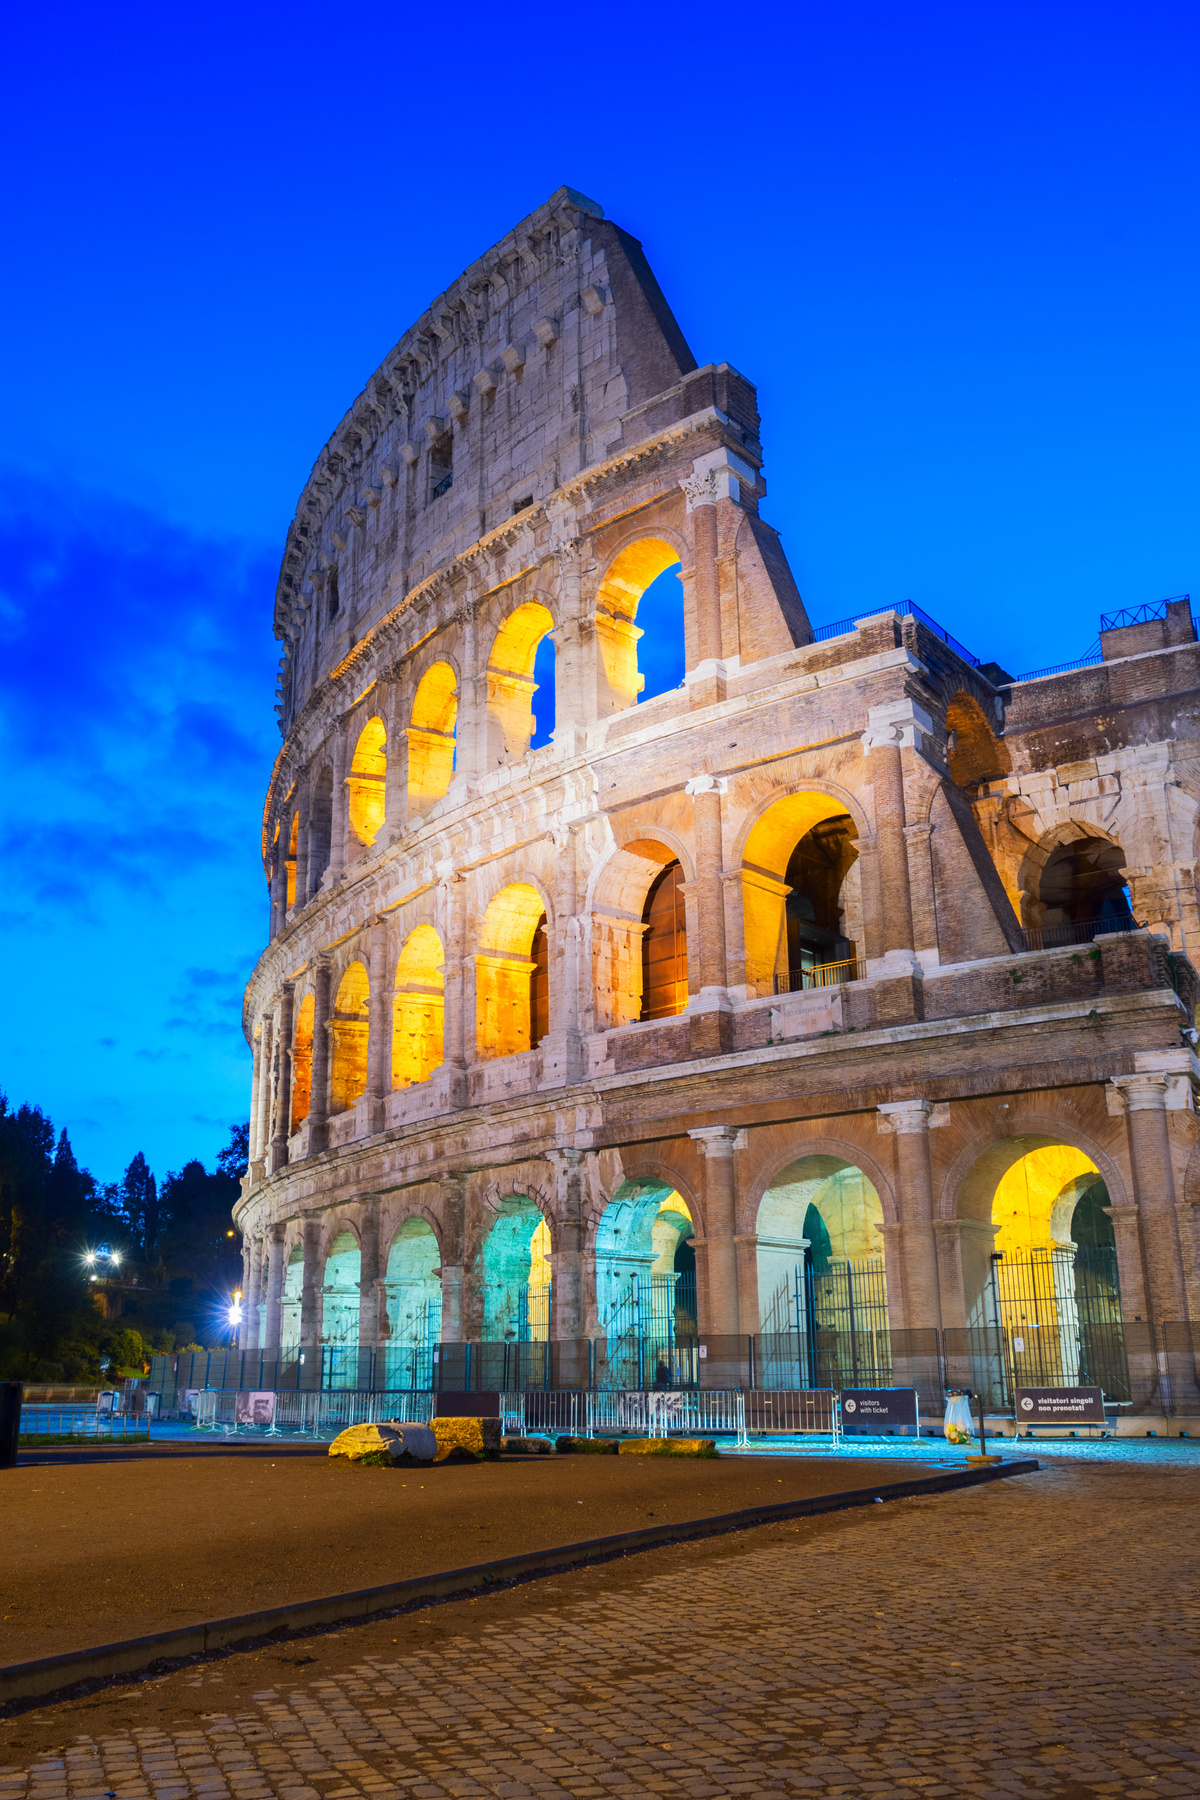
(639, 935)
(431, 739)
(822, 1286)
(291, 1298)
(413, 1291)
(419, 1007)
(510, 683)
(800, 897)
(302, 1050)
(290, 861)
(340, 1291)
(505, 967)
(320, 830)
(348, 1075)
(646, 1286)
(368, 782)
(516, 1275)
(626, 579)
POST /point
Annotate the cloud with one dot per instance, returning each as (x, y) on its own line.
(137, 737)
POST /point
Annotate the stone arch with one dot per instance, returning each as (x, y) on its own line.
(348, 1063)
(302, 1058)
(418, 1008)
(823, 1144)
(1060, 892)
(290, 858)
(320, 827)
(625, 937)
(507, 970)
(510, 683)
(974, 752)
(638, 562)
(645, 1286)
(805, 838)
(341, 1273)
(412, 1288)
(367, 781)
(432, 735)
(515, 1249)
(291, 1293)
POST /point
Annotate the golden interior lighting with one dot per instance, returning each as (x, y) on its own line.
(291, 860)
(627, 579)
(431, 736)
(510, 683)
(418, 1009)
(764, 890)
(504, 971)
(348, 1078)
(1023, 1209)
(302, 1044)
(368, 782)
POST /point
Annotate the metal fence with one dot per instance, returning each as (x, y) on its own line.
(81, 1421)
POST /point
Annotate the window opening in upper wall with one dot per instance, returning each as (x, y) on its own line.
(664, 947)
(539, 986)
(520, 505)
(662, 658)
(814, 910)
(333, 593)
(639, 622)
(441, 466)
(544, 702)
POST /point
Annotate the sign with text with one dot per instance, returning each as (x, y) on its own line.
(870, 1411)
(1060, 1406)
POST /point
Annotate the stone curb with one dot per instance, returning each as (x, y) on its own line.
(49, 1674)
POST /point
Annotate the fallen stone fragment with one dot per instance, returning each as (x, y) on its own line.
(668, 1447)
(526, 1446)
(582, 1446)
(388, 1441)
(466, 1440)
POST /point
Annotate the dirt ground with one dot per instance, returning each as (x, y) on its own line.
(107, 1545)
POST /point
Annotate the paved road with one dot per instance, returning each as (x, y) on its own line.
(1039, 1637)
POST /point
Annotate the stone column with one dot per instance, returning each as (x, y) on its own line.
(395, 798)
(1143, 1098)
(368, 1287)
(283, 1106)
(566, 1263)
(562, 1047)
(458, 1045)
(255, 1097)
(899, 725)
(706, 792)
(311, 1302)
(272, 1324)
(340, 819)
(379, 1029)
(453, 1233)
(278, 889)
(909, 1121)
(471, 726)
(259, 1167)
(302, 808)
(252, 1260)
(715, 477)
(318, 1105)
(717, 1144)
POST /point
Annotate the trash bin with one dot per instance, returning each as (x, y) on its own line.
(957, 1423)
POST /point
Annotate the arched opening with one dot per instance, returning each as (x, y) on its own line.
(291, 1296)
(511, 998)
(651, 563)
(1080, 891)
(801, 896)
(320, 830)
(290, 861)
(516, 1275)
(340, 1291)
(419, 1008)
(975, 755)
(1042, 1286)
(664, 946)
(511, 684)
(413, 1292)
(646, 1288)
(368, 782)
(822, 1284)
(431, 736)
(620, 959)
(348, 1075)
(302, 1056)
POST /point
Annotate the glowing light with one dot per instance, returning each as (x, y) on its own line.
(431, 735)
(510, 683)
(418, 1015)
(368, 781)
(626, 581)
(764, 887)
(349, 1074)
(504, 970)
(90, 1257)
(114, 1257)
(302, 1050)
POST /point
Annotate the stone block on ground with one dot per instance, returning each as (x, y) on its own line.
(526, 1446)
(583, 1446)
(466, 1440)
(705, 1447)
(388, 1440)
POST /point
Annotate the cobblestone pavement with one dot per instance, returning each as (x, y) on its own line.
(1039, 1637)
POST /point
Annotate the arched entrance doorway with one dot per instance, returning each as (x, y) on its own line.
(340, 1312)
(1047, 1308)
(290, 1301)
(646, 1289)
(413, 1292)
(822, 1283)
(801, 898)
(516, 1275)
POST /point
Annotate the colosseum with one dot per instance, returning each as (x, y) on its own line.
(553, 1079)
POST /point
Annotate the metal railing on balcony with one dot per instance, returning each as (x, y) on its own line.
(1057, 937)
(841, 626)
(1140, 615)
(820, 975)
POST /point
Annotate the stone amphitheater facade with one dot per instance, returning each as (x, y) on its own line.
(457, 1020)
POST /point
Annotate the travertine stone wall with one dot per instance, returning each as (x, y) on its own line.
(412, 841)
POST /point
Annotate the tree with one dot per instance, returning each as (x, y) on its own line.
(140, 1203)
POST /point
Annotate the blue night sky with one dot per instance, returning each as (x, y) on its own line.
(955, 247)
